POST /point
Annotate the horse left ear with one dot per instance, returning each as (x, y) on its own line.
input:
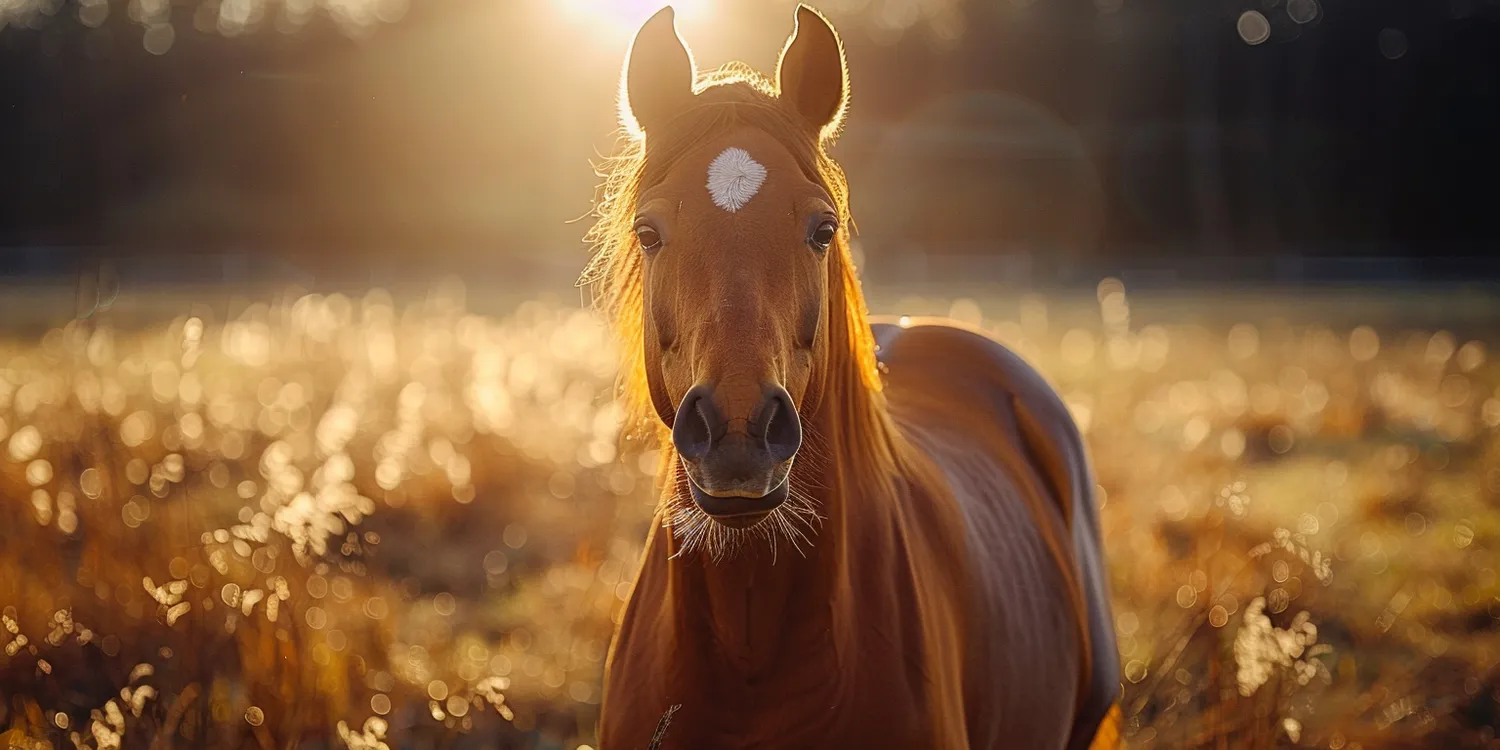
(658, 79)
(811, 73)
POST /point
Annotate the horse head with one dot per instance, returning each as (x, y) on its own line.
(735, 223)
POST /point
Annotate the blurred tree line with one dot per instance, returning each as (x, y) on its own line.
(1054, 130)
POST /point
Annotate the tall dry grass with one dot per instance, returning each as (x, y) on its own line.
(330, 522)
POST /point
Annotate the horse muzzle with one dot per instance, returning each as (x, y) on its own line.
(737, 477)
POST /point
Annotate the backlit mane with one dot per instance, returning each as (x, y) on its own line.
(734, 95)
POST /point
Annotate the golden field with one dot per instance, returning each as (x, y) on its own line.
(347, 521)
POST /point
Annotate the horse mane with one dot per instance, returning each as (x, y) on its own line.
(732, 96)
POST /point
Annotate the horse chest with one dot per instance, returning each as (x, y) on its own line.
(810, 697)
(798, 711)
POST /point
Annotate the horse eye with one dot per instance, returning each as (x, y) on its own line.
(822, 237)
(649, 238)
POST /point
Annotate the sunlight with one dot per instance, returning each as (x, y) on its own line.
(627, 15)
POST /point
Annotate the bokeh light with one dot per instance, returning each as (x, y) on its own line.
(1253, 27)
(434, 508)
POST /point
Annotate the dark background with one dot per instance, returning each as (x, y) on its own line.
(1051, 140)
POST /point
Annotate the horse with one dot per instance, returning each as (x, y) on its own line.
(869, 535)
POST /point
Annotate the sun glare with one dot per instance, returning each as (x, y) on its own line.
(626, 14)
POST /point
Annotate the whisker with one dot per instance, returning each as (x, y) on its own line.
(792, 534)
(796, 523)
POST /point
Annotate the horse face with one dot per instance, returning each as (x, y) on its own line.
(735, 294)
(735, 236)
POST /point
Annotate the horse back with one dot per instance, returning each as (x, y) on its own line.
(1019, 472)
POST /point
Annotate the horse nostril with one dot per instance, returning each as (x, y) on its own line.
(781, 425)
(697, 423)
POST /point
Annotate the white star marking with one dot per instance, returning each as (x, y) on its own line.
(733, 179)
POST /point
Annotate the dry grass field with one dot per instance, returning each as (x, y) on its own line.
(344, 521)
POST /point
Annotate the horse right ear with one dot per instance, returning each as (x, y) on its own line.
(658, 81)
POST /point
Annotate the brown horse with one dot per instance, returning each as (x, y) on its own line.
(869, 536)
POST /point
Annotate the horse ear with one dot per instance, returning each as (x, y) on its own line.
(659, 74)
(811, 74)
